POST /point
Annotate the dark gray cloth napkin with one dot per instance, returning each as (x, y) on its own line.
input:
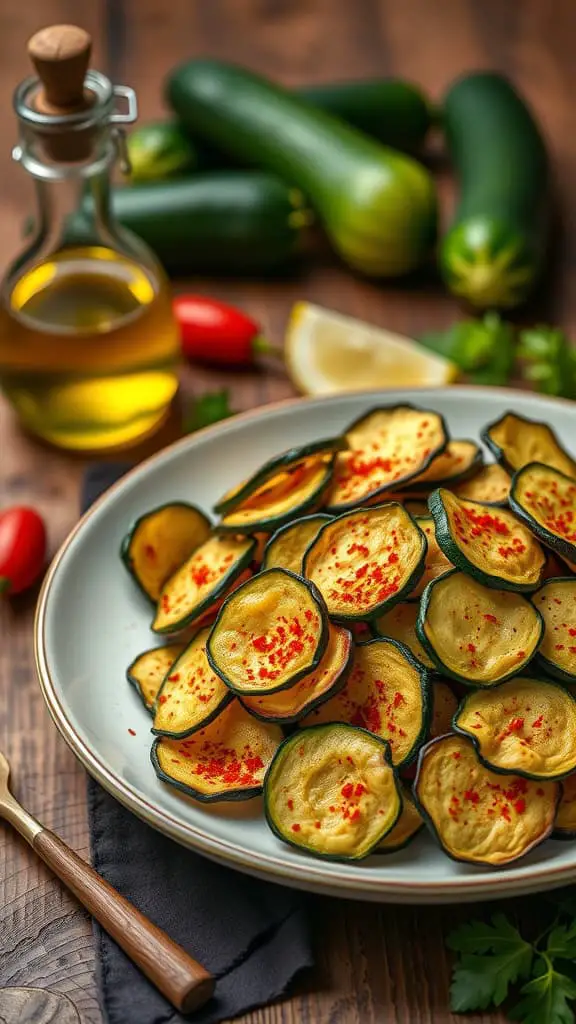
(252, 935)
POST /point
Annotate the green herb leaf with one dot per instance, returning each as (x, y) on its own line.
(548, 360)
(207, 409)
(483, 349)
(562, 941)
(479, 981)
(546, 999)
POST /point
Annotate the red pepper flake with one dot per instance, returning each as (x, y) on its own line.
(521, 654)
(347, 790)
(537, 723)
(317, 824)
(290, 805)
(162, 698)
(471, 648)
(150, 552)
(332, 809)
(174, 678)
(393, 558)
(516, 725)
(456, 755)
(520, 806)
(131, 731)
(201, 574)
(491, 618)
(360, 789)
(355, 815)
(296, 827)
(472, 796)
(571, 632)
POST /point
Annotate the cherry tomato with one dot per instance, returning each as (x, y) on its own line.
(22, 548)
(217, 334)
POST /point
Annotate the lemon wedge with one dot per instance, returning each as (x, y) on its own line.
(326, 352)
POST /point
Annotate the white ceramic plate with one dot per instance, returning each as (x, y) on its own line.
(92, 622)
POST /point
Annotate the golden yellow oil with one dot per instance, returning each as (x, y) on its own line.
(89, 349)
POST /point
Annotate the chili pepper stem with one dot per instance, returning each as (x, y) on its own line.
(262, 346)
(4, 584)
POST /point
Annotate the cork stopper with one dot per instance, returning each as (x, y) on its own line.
(60, 54)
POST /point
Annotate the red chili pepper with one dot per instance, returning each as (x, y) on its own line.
(217, 334)
(22, 548)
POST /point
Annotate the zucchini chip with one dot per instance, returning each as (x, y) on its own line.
(388, 446)
(475, 634)
(208, 617)
(491, 486)
(332, 791)
(400, 624)
(286, 547)
(227, 760)
(160, 541)
(546, 501)
(526, 726)
(459, 461)
(565, 824)
(556, 602)
(387, 693)
(289, 706)
(489, 544)
(270, 633)
(409, 824)
(366, 561)
(444, 707)
(477, 816)
(147, 671)
(192, 695)
(201, 581)
(515, 441)
(295, 490)
(273, 467)
(436, 564)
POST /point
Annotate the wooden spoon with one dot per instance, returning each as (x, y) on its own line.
(183, 981)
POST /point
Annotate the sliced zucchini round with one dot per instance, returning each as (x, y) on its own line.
(556, 602)
(298, 489)
(565, 824)
(526, 726)
(389, 446)
(147, 671)
(477, 816)
(400, 624)
(270, 633)
(387, 692)
(286, 547)
(192, 695)
(409, 824)
(475, 634)
(201, 581)
(545, 500)
(289, 706)
(366, 561)
(160, 541)
(444, 707)
(274, 466)
(489, 544)
(436, 564)
(515, 441)
(227, 760)
(459, 461)
(332, 791)
(491, 486)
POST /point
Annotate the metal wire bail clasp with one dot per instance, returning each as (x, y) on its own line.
(123, 116)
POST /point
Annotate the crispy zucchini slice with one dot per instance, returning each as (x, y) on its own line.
(565, 824)
(475, 634)
(273, 467)
(491, 486)
(192, 695)
(389, 446)
(366, 561)
(298, 489)
(160, 541)
(227, 760)
(332, 791)
(515, 441)
(459, 461)
(387, 692)
(208, 617)
(489, 544)
(444, 707)
(270, 633)
(289, 706)
(527, 726)
(556, 602)
(436, 564)
(286, 547)
(400, 624)
(477, 816)
(546, 501)
(147, 671)
(409, 824)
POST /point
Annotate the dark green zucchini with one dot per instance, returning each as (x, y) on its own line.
(496, 246)
(515, 441)
(159, 150)
(556, 602)
(545, 499)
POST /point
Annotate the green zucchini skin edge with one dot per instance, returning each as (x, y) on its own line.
(268, 525)
(297, 738)
(275, 465)
(501, 771)
(287, 526)
(394, 599)
(432, 828)
(242, 563)
(203, 798)
(557, 544)
(442, 668)
(455, 554)
(470, 471)
(548, 667)
(136, 685)
(127, 539)
(391, 488)
(498, 452)
(320, 650)
(388, 850)
(201, 725)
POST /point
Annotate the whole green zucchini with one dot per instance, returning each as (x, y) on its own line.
(378, 206)
(496, 246)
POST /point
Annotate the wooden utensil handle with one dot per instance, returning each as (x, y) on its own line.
(184, 982)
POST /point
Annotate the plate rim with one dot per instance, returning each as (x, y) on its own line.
(225, 851)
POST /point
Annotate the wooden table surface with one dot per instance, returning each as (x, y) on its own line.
(374, 964)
